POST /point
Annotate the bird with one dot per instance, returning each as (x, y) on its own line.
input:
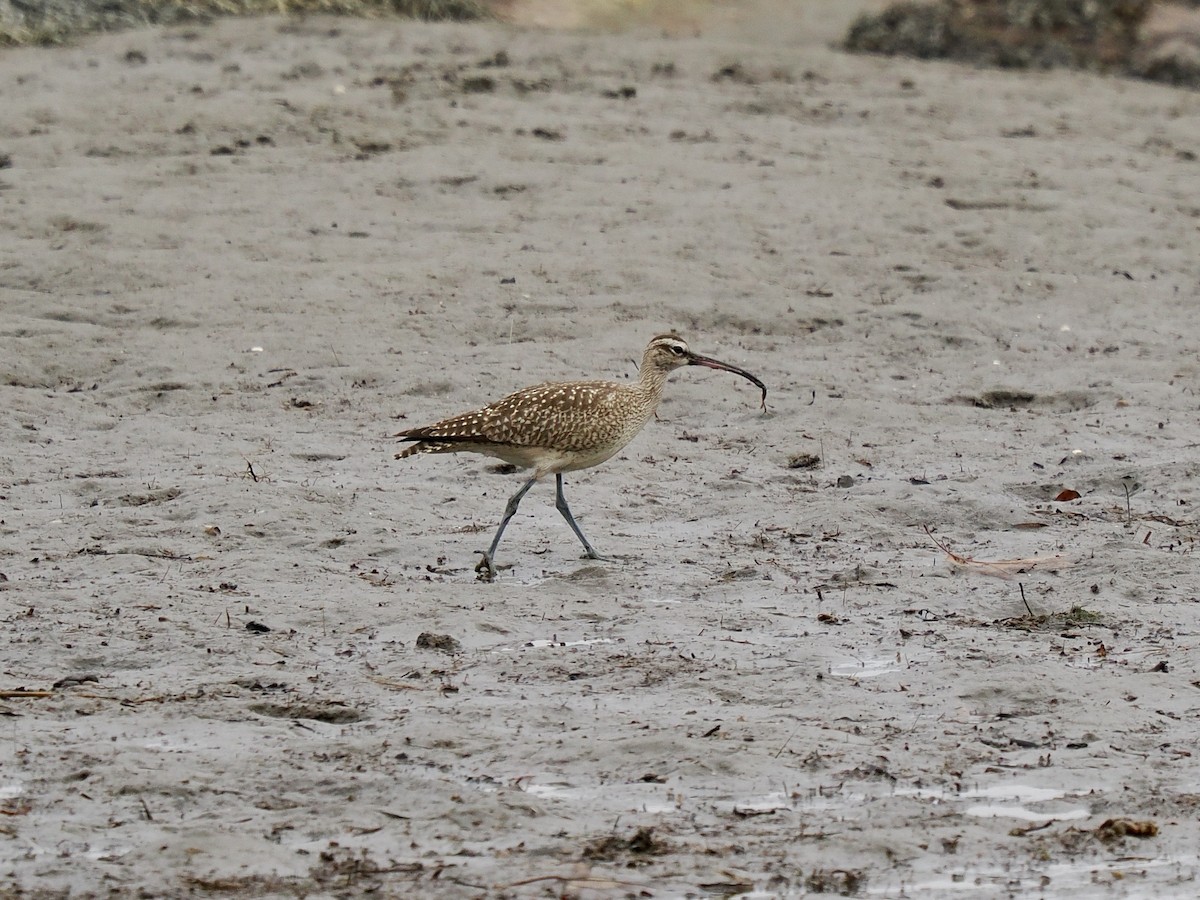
(559, 427)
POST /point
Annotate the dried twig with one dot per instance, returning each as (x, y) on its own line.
(1002, 568)
(1028, 609)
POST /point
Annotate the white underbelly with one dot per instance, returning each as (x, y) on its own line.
(573, 461)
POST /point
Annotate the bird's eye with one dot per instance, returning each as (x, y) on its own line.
(678, 351)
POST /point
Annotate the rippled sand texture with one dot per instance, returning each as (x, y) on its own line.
(856, 644)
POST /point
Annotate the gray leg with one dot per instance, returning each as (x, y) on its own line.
(486, 570)
(560, 502)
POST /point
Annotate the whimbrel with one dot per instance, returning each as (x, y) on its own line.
(562, 427)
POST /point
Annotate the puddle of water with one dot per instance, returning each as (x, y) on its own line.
(1015, 794)
(865, 668)
(638, 797)
(542, 643)
(810, 801)
(1026, 815)
(1018, 793)
(1021, 793)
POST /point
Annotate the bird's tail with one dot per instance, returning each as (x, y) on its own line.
(412, 450)
(425, 445)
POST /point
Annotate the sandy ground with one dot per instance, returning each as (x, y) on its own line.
(238, 257)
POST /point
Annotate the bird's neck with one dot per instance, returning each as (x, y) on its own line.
(650, 383)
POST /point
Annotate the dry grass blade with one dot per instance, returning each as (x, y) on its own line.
(1002, 568)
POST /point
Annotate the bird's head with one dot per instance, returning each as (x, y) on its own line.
(667, 352)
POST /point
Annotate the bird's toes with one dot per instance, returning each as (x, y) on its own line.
(484, 570)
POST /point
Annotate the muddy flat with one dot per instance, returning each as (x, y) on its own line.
(928, 624)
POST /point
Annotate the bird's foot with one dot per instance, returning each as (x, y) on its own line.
(485, 571)
(590, 553)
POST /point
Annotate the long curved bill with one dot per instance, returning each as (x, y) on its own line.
(695, 359)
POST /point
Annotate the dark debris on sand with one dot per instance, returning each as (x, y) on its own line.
(59, 21)
(1152, 39)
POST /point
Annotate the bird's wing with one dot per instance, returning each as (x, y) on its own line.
(571, 415)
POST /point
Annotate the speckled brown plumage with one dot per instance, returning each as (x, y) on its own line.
(555, 427)
(562, 426)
